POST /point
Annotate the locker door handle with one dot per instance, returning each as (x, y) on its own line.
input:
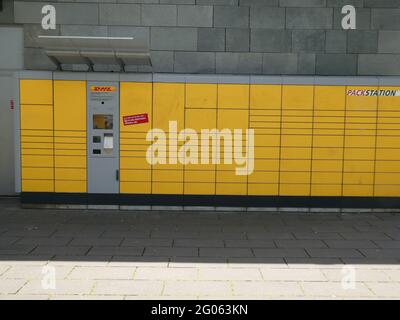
(117, 175)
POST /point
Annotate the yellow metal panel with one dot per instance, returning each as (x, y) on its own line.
(167, 175)
(70, 186)
(135, 175)
(295, 177)
(326, 178)
(135, 98)
(70, 146)
(296, 153)
(37, 161)
(134, 163)
(388, 154)
(167, 187)
(358, 190)
(327, 153)
(70, 174)
(199, 188)
(37, 173)
(327, 165)
(355, 102)
(78, 140)
(295, 165)
(296, 141)
(37, 185)
(387, 178)
(360, 141)
(68, 133)
(326, 190)
(67, 152)
(45, 152)
(37, 134)
(387, 166)
(264, 177)
(266, 152)
(70, 161)
(294, 189)
(199, 119)
(200, 96)
(358, 178)
(297, 97)
(135, 187)
(168, 105)
(263, 189)
(133, 153)
(230, 176)
(267, 165)
(233, 96)
(134, 137)
(231, 188)
(358, 166)
(199, 176)
(265, 96)
(387, 191)
(330, 97)
(359, 153)
(233, 119)
(69, 105)
(266, 140)
(389, 103)
(36, 145)
(37, 117)
(36, 91)
(328, 141)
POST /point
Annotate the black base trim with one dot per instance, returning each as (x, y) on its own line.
(208, 200)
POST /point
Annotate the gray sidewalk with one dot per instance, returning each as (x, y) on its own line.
(98, 254)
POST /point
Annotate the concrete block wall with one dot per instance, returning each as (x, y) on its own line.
(301, 37)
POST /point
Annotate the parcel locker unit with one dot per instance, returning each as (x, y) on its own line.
(318, 141)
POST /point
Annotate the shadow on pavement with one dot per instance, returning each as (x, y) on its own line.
(280, 238)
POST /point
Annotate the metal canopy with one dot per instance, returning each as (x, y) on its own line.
(122, 51)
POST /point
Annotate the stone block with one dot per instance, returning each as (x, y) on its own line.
(360, 41)
(211, 39)
(173, 38)
(194, 62)
(265, 40)
(309, 18)
(159, 15)
(239, 63)
(308, 41)
(237, 40)
(119, 14)
(267, 17)
(230, 16)
(336, 64)
(195, 16)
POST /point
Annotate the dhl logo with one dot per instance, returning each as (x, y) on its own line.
(102, 88)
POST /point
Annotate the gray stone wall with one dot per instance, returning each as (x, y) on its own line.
(302, 37)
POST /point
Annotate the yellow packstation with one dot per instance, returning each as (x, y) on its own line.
(160, 139)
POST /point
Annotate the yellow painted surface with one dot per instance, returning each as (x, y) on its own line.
(297, 97)
(168, 105)
(263, 189)
(37, 117)
(37, 173)
(233, 96)
(70, 174)
(199, 188)
(201, 96)
(135, 98)
(36, 91)
(265, 96)
(70, 186)
(69, 105)
(330, 98)
(135, 187)
(37, 185)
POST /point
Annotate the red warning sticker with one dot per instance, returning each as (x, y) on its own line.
(135, 119)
